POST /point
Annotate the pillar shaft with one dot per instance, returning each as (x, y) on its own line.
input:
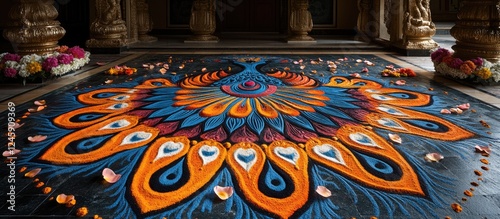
(144, 22)
(477, 30)
(34, 28)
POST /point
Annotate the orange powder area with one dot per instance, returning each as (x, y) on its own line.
(454, 132)
(351, 83)
(294, 79)
(58, 152)
(349, 165)
(247, 175)
(200, 171)
(418, 99)
(156, 83)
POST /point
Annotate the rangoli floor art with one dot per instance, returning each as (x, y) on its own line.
(243, 136)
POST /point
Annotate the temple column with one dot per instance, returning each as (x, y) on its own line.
(144, 22)
(34, 28)
(301, 22)
(477, 30)
(202, 21)
(412, 27)
(108, 32)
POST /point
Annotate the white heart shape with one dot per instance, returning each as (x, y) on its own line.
(322, 151)
(245, 157)
(288, 154)
(363, 139)
(208, 153)
(136, 137)
(169, 149)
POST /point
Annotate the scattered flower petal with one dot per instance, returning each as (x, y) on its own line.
(356, 75)
(445, 111)
(31, 110)
(456, 111)
(365, 70)
(163, 70)
(302, 67)
(40, 108)
(100, 63)
(37, 138)
(433, 157)
(359, 60)
(10, 153)
(110, 176)
(296, 62)
(203, 69)
(323, 191)
(16, 125)
(223, 192)
(464, 106)
(483, 149)
(390, 67)
(32, 173)
(369, 63)
(63, 198)
(108, 81)
(40, 102)
(400, 82)
(395, 138)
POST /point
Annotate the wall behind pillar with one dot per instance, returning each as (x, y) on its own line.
(5, 6)
(347, 14)
(158, 13)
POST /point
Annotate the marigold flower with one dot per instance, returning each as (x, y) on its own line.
(63, 49)
(468, 67)
(447, 60)
(33, 67)
(483, 73)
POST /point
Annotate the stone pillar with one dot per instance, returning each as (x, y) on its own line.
(301, 22)
(108, 32)
(144, 22)
(477, 30)
(417, 29)
(34, 28)
(202, 22)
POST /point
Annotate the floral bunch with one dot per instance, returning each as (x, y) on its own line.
(121, 70)
(398, 72)
(477, 69)
(57, 63)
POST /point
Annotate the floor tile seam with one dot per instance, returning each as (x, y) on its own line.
(63, 81)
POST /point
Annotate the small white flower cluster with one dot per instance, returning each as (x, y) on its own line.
(444, 69)
(73, 66)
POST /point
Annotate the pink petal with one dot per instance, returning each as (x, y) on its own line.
(356, 75)
(433, 157)
(464, 106)
(295, 62)
(110, 176)
(483, 149)
(400, 82)
(323, 191)
(37, 138)
(16, 125)
(395, 138)
(391, 67)
(445, 111)
(223, 192)
(40, 102)
(10, 153)
(365, 70)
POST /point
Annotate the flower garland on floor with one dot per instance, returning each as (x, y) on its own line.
(57, 63)
(478, 70)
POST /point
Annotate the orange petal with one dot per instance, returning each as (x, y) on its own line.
(433, 157)
(10, 153)
(395, 138)
(163, 70)
(223, 192)
(323, 191)
(32, 110)
(37, 138)
(110, 176)
(63, 198)
(32, 173)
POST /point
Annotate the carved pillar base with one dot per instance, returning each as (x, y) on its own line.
(477, 30)
(300, 22)
(108, 32)
(202, 22)
(34, 28)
